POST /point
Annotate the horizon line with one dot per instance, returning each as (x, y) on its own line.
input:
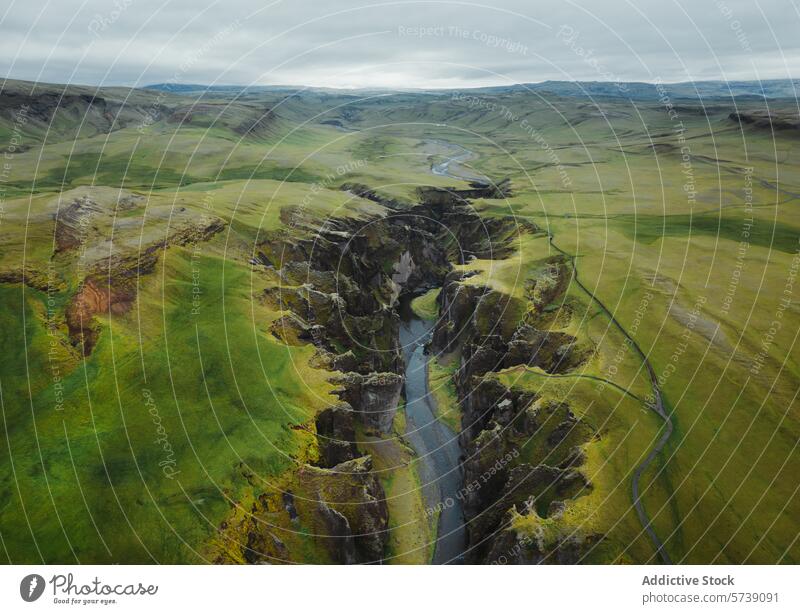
(208, 86)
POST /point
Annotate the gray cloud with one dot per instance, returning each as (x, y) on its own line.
(347, 43)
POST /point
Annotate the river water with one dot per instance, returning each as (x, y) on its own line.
(434, 442)
(453, 165)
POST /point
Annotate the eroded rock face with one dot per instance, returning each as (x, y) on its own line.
(73, 224)
(291, 330)
(336, 435)
(111, 287)
(491, 332)
(402, 272)
(356, 495)
(375, 397)
(346, 275)
(457, 307)
(522, 453)
(93, 298)
(342, 545)
(112, 292)
(342, 511)
(341, 280)
(32, 278)
(543, 547)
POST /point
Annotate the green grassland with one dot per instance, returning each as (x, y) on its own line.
(95, 461)
(605, 181)
(441, 370)
(721, 491)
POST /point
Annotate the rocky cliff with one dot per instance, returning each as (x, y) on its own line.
(522, 453)
(337, 284)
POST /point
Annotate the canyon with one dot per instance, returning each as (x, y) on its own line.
(344, 286)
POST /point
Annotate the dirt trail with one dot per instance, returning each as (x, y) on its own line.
(657, 406)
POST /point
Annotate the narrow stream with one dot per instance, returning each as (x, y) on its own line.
(435, 444)
(453, 166)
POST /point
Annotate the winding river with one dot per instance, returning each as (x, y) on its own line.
(435, 443)
(453, 165)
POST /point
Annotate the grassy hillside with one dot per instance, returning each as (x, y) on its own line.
(683, 223)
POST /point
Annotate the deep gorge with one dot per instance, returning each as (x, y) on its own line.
(341, 284)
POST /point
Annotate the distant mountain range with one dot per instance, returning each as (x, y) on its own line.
(635, 90)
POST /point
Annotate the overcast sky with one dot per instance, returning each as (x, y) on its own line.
(348, 43)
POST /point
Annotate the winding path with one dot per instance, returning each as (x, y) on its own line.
(657, 406)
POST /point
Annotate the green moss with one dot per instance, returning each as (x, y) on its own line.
(425, 305)
(440, 381)
(412, 530)
(224, 394)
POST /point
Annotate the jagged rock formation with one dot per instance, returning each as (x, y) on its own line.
(340, 280)
(352, 509)
(336, 435)
(522, 453)
(337, 285)
(342, 510)
(376, 397)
